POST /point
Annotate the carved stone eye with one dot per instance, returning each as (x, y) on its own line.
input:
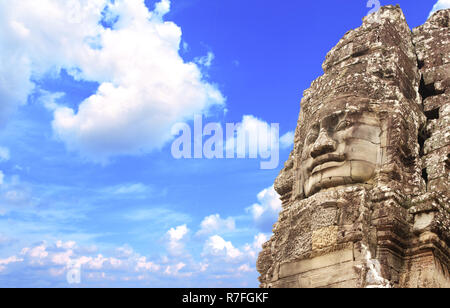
(332, 121)
(311, 138)
(313, 134)
(343, 125)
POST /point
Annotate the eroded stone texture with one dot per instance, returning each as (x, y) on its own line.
(365, 190)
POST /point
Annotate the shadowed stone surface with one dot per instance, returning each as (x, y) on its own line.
(365, 190)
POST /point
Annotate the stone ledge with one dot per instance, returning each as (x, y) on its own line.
(290, 269)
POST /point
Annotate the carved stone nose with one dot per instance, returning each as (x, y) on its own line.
(323, 145)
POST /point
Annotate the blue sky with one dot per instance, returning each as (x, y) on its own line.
(89, 92)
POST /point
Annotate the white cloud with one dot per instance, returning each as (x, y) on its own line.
(245, 268)
(38, 38)
(206, 60)
(287, 140)
(218, 247)
(145, 86)
(66, 245)
(176, 236)
(162, 7)
(203, 267)
(124, 252)
(16, 196)
(62, 258)
(441, 4)
(47, 264)
(253, 250)
(14, 193)
(143, 264)
(10, 260)
(185, 47)
(7, 261)
(265, 212)
(49, 99)
(63, 255)
(260, 239)
(222, 261)
(36, 255)
(132, 188)
(220, 253)
(174, 269)
(4, 154)
(157, 215)
(214, 223)
(38, 252)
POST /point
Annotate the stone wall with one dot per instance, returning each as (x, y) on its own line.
(365, 190)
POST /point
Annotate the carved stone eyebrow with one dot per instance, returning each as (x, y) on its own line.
(314, 128)
(367, 118)
(333, 120)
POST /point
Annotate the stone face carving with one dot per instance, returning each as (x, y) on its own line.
(365, 190)
(341, 148)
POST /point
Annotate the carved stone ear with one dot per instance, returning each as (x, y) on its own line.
(284, 181)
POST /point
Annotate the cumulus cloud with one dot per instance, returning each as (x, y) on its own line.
(143, 264)
(218, 247)
(265, 212)
(48, 264)
(214, 223)
(260, 239)
(441, 4)
(59, 258)
(38, 37)
(178, 233)
(226, 261)
(36, 254)
(176, 238)
(252, 250)
(245, 268)
(5, 262)
(131, 52)
(174, 270)
(66, 245)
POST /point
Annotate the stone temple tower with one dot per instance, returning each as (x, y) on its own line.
(365, 191)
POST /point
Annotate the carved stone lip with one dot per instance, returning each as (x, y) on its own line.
(333, 160)
(327, 165)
